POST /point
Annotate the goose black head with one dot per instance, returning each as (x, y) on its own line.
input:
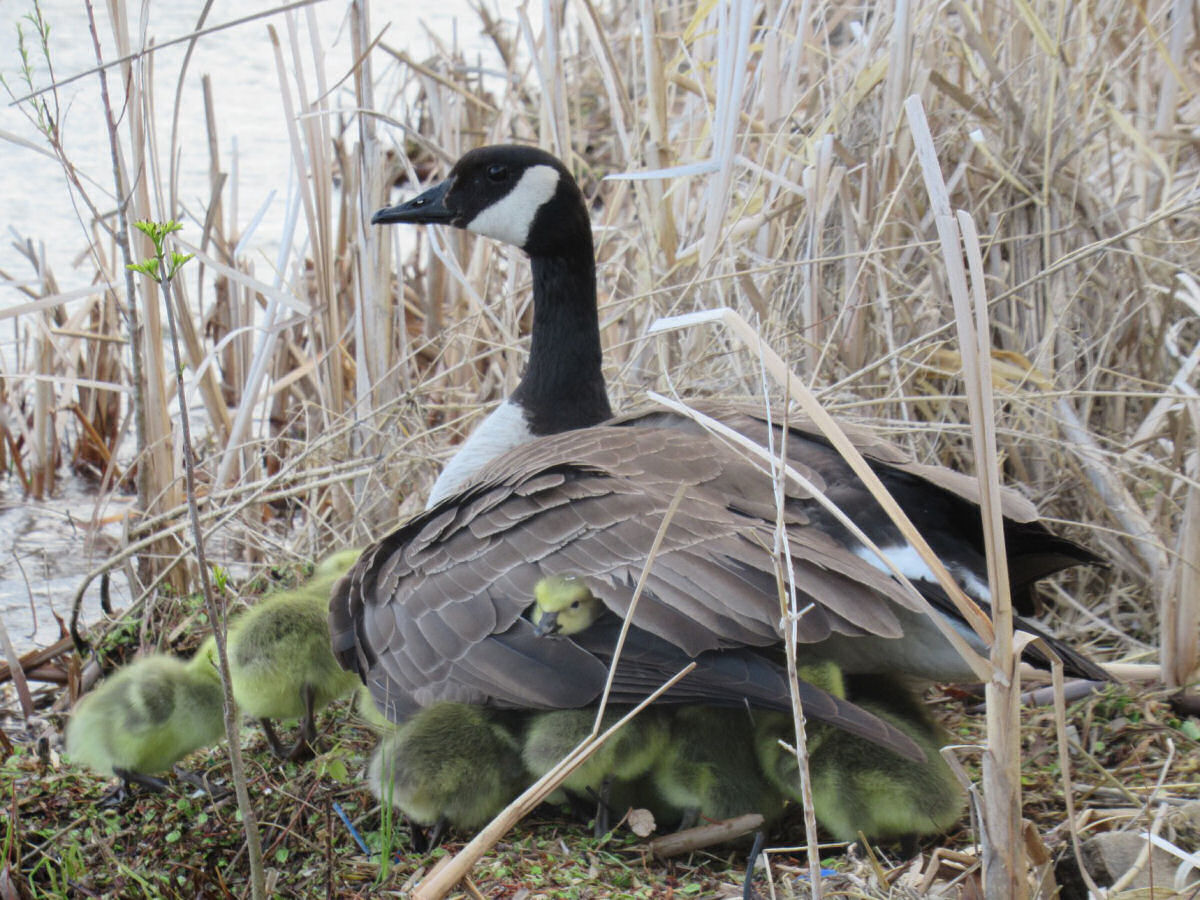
(519, 195)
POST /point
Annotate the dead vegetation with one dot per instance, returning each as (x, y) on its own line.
(327, 398)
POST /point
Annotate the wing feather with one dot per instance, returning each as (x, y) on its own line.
(434, 610)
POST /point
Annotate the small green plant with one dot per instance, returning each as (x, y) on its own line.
(37, 108)
(220, 577)
(159, 267)
(388, 838)
(59, 875)
(121, 641)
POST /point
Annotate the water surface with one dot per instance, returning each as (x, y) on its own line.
(46, 547)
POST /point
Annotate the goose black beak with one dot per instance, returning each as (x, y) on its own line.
(428, 208)
(546, 625)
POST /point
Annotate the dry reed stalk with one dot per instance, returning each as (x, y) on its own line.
(1180, 615)
(99, 408)
(790, 614)
(1004, 858)
(17, 673)
(697, 838)
(45, 443)
(377, 378)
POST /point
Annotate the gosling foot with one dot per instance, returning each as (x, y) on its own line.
(424, 841)
(126, 790)
(748, 892)
(300, 751)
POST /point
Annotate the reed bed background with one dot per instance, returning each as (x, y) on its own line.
(326, 394)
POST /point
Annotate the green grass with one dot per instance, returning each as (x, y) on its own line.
(182, 843)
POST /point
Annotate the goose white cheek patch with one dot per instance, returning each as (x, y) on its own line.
(509, 218)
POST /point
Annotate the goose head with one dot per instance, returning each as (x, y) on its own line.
(564, 605)
(525, 197)
(518, 195)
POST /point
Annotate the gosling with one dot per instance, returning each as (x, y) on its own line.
(147, 716)
(280, 658)
(450, 764)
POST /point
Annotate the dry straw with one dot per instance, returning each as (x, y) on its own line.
(778, 178)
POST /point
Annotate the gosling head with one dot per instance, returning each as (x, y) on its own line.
(564, 605)
(519, 195)
(337, 564)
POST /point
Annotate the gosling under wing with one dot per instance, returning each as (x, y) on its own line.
(450, 761)
(860, 787)
(627, 755)
(738, 677)
(709, 768)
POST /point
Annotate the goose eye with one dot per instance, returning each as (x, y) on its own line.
(497, 172)
(418, 202)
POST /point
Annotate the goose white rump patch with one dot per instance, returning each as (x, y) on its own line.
(908, 560)
(509, 218)
(504, 428)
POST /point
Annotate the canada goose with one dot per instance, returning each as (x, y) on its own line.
(562, 604)
(450, 763)
(147, 716)
(858, 786)
(280, 659)
(771, 727)
(711, 767)
(861, 787)
(435, 610)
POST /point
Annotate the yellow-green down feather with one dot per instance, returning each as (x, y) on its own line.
(147, 716)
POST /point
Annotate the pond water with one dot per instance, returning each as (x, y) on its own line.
(46, 547)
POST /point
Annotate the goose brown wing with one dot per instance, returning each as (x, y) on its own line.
(942, 503)
(420, 613)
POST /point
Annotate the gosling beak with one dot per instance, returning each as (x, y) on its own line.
(546, 625)
(428, 208)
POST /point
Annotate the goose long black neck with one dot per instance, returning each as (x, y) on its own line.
(563, 386)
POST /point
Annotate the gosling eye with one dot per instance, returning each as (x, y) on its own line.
(497, 172)
(575, 605)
